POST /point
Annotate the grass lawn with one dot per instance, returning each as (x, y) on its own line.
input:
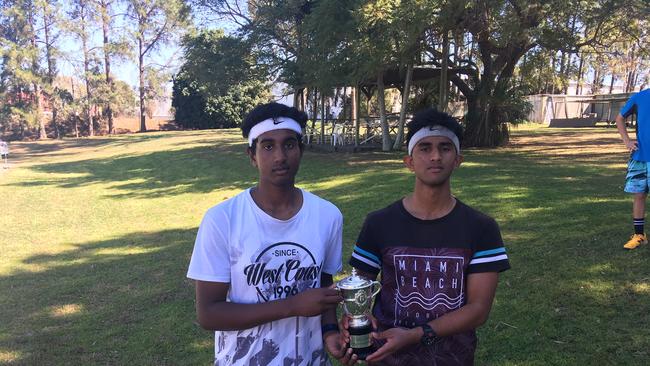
(96, 235)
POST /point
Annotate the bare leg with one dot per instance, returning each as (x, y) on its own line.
(638, 206)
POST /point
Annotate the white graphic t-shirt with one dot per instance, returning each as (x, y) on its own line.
(266, 259)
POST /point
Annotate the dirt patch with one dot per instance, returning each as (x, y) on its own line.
(132, 124)
(583, 144)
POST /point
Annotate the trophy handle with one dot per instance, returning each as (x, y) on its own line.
(375, 291)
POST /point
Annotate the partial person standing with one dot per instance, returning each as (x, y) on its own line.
(636, 180)
(263, 260)
(439, 258)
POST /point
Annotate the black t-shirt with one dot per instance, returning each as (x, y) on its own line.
(424, 266)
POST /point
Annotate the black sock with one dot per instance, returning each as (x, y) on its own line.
(638, 225)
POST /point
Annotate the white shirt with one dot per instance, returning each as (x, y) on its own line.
(265, 259)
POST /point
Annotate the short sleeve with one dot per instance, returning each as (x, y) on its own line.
(490, 253)
(365, 255)
(210, 259)
(332, 262)
(630, 107)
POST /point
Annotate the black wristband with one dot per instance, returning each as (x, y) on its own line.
(329, 327)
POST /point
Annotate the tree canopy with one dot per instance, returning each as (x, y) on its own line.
(478, 44)
(218, 83)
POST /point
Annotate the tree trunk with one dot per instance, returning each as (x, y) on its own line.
(84, 47)
(314, 104)
(385, 133)
(143, 125)
(562, 68)
(595, 88)
(39, 112)
(322, 105)
(483, 127)
(36, 85)
(106, 19)
(355, 113)
(76, 117)
(296, 98)
(485, 122)
(444, 85)
(553, 75)
(632, 80)
(567, 70)
(521, 74)
(402, 114)
(322, 124)
(50, 66)
(580, 75)
(611, 84)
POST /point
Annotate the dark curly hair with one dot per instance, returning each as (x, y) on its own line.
(431, 117)
(271, 110)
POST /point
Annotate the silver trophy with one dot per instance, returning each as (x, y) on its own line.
(358, 293)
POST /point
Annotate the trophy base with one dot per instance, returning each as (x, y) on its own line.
(360, 340)
(362, 353)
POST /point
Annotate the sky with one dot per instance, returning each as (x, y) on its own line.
(126, 69)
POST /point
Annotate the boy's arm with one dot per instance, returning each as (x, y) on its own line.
(481, 288)
(331, 335)
(329, 316)
(215, 313)
(622, 130)
(628, 109)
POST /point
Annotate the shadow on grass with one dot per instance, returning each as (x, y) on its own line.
(154, 174)
(119, 301)
(23, 151)
(199, 169)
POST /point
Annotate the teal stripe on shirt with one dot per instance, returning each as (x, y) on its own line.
(489, 252)
(367, 254)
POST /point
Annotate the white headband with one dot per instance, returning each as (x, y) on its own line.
(436, 130)
(278, 123)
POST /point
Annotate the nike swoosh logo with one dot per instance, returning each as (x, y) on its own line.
(275, 122)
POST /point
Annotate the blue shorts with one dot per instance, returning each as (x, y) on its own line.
(636, 180)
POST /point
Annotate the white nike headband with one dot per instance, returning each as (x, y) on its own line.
(277, 123)
(436, 130)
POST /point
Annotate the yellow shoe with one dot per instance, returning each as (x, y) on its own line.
(635, 241)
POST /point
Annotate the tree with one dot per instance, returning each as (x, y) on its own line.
(503, 32)
(51, 19)
(82, 16)
(21, 76)
(155, 22)
(111, 47)
(358, 42)
(498, 34)
(218, 83)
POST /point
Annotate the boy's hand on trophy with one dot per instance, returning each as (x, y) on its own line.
(349, 358)
(333, 344)
(314, 301)
(395, 338)
(344, 324)
(337, 348)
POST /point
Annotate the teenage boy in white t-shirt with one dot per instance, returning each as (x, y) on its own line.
(263, 260)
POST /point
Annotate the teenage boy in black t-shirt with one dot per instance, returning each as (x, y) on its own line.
(438, 257)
